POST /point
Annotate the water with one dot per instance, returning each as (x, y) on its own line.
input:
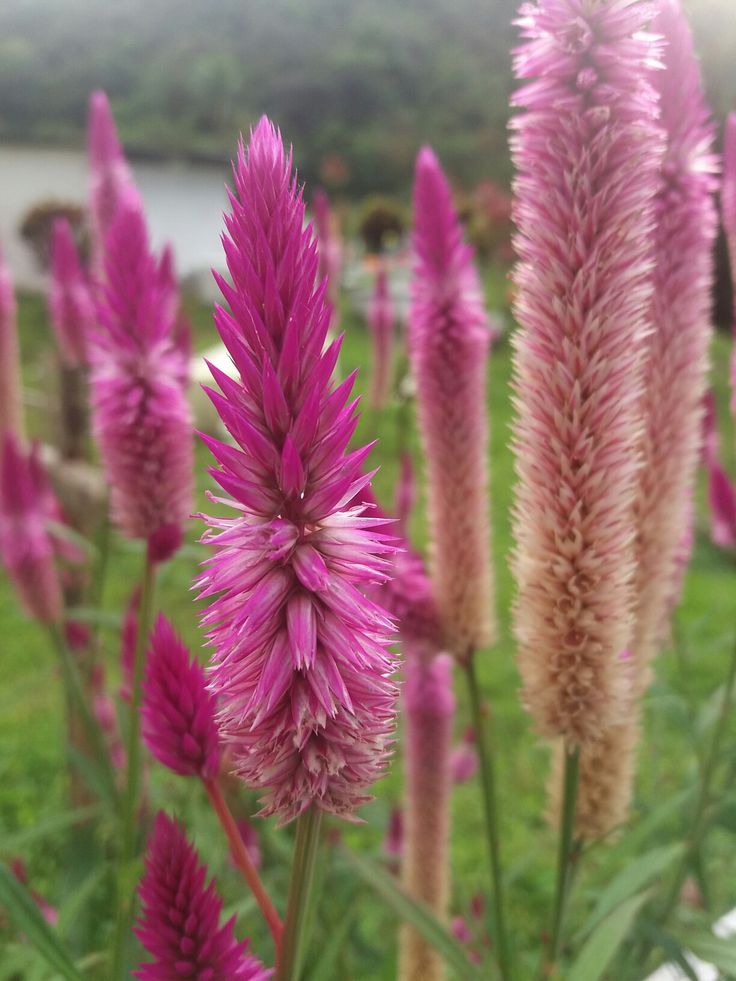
(184, 204)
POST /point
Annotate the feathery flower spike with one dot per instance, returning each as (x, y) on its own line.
(71, 305)
(111, 179)
(300, 668)
(675, 381)
(11, 406)
(588, 152)
(728, 213)
(140, 414)
(178, 713)
(448, 345)
(180, 924)
(381, 324)
(26, 548)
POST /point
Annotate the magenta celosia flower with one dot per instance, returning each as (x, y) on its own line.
(588, 154)
(678, 346)
(393, 842)
(11, 406)
(721, 490)
(180, 925)
(71, 305)
(26, 548)
(448, 346)
(301, 668)
(329, 249)
(111, 179)
(728, 213)
(140, 414)
(381, 325)
(178, 713)
(464, 759)
(182, 334)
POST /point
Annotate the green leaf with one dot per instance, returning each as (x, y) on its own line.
(718, 951)
(415, 914)
(323, 967)
(671, 808)
(13, 843)
(597, 951)
(640, 872)
(27, 917)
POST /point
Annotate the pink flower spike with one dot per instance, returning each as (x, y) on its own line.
(26, 549)
(448, 346)
(180, 924)
(722, 503)
(588, 153)
(381, 325)
(464, 759)
(330, 249)
(111, 179)
(728, 213)
(141, 417)
(11, 405)
(71, 305)
(301, 667)
(178, 713)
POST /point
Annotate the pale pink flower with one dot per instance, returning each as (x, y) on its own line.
(381, 326)
(301, 667)
(588, 154)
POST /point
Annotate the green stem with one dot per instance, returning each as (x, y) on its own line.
(710, 762)
(77, 702)
(490, 805)
(126, 876)
(566, 853)
(300, 888)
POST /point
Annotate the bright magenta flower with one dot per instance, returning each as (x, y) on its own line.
(449, 341)
(728, 213)
(301, 668)
(180, 925)
(381, 326)
(178, 713)
(721, 489)
(111, 180)
(140, 414)
(11, 406)
(26, 548)
(71, 305)
(588, 154)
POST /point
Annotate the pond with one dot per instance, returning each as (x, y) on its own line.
(184, 204)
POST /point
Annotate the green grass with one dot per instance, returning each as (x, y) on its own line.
(32, 768)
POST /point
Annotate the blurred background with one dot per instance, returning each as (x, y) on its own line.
(355, 86)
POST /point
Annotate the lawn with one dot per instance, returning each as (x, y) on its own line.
(355, 935)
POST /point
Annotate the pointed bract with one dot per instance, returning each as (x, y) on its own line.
(448, 346)
(178, 713)
(300, 668)
(180, 923)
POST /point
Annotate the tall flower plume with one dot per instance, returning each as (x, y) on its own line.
(140, 414)
(381, 324)
(71, 305)
(178, 713)
(448, 346)
(11, 406)
(587, 151)
(26, 549)
(111, 179)
(180, 925)
(300, 666)
(728, 214)
(675, 381)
